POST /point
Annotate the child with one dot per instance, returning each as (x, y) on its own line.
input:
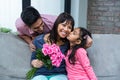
(63, 25)
(31, 24)
(77, 62)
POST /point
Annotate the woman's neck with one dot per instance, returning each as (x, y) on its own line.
(59, 42)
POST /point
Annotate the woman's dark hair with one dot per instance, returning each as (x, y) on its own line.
(60, 19)
(83, 36)
(30, 15)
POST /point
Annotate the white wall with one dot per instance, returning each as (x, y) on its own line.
(79, 12)
(54, 7)
(83, 13)
(9, 11)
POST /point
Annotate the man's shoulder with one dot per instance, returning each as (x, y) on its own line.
(19, 20)
(49, 17)
(49, 21)
(19, 23)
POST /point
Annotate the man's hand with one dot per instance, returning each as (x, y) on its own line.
(28, 39)
(37, 63)
(32, 47)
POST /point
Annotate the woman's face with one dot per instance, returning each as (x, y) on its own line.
(64, 29)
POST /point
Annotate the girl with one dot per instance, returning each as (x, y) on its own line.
(77, 62)
(63, 25)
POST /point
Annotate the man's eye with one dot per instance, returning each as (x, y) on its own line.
(63, 24)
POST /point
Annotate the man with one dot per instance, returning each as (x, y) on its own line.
(31, 24)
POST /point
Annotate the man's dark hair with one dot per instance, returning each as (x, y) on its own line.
(30, 15)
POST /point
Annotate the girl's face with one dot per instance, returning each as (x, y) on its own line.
(74, 35)
(64, 29)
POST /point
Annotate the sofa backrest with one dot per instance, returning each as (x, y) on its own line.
(105, 56)
(14, 57)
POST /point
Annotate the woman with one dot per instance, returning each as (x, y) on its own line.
(63, 25)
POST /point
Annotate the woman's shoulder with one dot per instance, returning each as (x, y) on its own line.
(46, 37)
(42, 38)
(39, 41)
(39, 37)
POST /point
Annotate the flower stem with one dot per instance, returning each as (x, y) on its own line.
(31, 73)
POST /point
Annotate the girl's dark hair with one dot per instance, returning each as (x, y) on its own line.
(83, 33)
(30, 15)
(60, 19)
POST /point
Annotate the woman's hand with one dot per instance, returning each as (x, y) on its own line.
(37, 63)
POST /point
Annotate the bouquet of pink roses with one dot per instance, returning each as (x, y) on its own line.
(51, 55)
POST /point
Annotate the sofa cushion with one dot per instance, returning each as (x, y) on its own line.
(105, 56)
(14, 57)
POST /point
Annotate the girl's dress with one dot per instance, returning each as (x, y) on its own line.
(82, 69)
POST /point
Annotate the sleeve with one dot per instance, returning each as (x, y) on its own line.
(19, 26)
(83, 59)
(49, 20)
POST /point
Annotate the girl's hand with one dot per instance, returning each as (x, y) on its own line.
(89, 42)
(37, 63)
(32, 47)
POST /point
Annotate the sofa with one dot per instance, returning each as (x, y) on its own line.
(104, 57)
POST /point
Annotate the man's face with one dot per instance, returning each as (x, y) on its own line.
(38, 26)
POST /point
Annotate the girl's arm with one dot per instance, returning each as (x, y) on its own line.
(83, 59)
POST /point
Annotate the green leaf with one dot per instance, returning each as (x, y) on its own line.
(5, 30)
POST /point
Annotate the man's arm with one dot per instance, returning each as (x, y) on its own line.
(21, 29)
(28, 40)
